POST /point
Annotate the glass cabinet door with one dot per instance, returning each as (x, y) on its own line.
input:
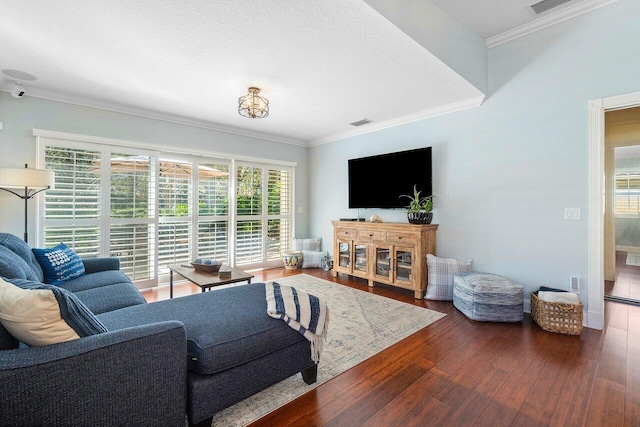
(360, 257)
(404, 265)
(383, 262)
(344, 255)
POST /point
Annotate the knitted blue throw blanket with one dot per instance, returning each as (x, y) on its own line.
(303, 312)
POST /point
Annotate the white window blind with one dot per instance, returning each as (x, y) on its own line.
(213, 211)
(264, 206)
(154, 208)
(278, 212)
(132, 214)
(73, 208)
(627, 193)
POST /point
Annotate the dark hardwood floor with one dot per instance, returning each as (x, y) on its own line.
(627, 283)
(457, 372)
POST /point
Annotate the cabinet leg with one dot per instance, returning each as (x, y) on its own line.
(371, 283)
(334, 273)
(418, 294)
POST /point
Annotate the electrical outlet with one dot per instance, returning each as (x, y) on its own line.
(574, 284)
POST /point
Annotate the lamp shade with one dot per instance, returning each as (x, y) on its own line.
(27, 178)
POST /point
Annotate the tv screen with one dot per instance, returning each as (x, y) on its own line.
(378, 181)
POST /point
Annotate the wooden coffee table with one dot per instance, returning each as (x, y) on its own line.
(205, 280)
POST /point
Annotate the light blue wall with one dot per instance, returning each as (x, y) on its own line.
(17, 145)
(505, 171)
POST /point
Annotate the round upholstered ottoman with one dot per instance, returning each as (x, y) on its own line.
(488, 297)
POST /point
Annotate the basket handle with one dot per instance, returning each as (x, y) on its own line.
(566, 307)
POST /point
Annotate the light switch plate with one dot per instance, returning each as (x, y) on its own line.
(572, 213)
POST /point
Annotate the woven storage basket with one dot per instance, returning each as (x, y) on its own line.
(557, 317)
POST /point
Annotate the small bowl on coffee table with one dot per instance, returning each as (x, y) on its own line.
(206, 265)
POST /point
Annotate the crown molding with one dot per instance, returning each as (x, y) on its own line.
(547, 21)
(155, 115)
(54, 134)
(372, 127)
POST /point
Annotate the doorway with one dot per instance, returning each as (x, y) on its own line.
(596, 224)
(622, 205)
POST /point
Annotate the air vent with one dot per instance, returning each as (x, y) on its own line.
(546, 5)
(361, 122)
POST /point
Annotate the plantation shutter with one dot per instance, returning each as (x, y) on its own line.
(278, 212)
(213, 211)
(153, 208)
(174, 200)
(72, 211)
(249, 198)
(132, 214)
(627, 194)
(264, 209)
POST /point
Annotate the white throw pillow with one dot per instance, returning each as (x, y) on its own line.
(312, 259)
(440, 276)
(306, 244)
(39, 314)
(33, 316)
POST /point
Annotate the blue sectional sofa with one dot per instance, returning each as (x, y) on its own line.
(193, 355)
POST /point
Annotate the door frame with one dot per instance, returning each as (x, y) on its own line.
(597, 108)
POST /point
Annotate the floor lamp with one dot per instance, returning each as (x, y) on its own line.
(32, 181)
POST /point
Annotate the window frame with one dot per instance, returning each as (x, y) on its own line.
(106, 146)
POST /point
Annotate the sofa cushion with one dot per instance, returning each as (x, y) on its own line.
(111, 297)
(95, 280)
(39, 314)
(225, 327)
(59, 264)
(16, 259)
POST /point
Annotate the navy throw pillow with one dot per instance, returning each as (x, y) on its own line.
(59, 264)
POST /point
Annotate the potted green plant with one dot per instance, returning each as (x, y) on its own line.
(420, 209)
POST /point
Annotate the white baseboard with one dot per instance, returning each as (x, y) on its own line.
(593, 320)
(634, 249)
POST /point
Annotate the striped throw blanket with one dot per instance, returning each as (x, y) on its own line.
(303, 312)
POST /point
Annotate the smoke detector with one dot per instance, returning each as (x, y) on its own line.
(18, 91)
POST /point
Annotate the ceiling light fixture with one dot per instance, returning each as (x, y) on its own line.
(253, 106)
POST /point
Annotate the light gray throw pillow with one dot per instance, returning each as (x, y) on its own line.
(440, 276)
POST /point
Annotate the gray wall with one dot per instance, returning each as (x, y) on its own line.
(17, 145)
(505, 171)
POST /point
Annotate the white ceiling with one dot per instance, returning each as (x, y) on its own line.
(321, 64)
(490, 18)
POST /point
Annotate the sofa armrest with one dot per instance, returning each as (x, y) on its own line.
(133, 376)
(93, 265)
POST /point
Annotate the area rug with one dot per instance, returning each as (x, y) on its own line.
(633, 258)
(362, 324)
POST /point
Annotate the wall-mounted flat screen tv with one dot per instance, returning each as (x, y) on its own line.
(378, 181)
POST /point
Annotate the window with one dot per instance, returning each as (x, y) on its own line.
(627, 194)
(73, 209)
(154, 208)
(263, 207)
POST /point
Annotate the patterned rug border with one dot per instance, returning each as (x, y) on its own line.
(382, 335)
